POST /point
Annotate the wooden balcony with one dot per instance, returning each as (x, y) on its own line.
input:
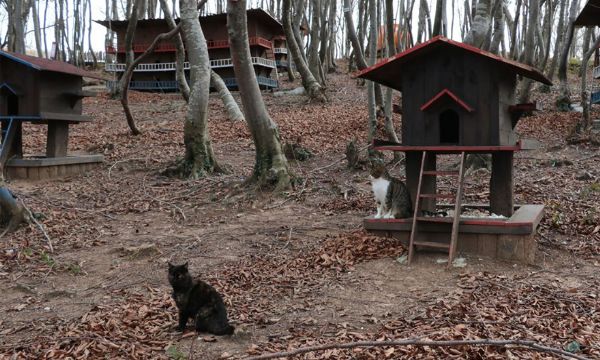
(170, 47)
(280, 50)
(173, 85)
(215, 64)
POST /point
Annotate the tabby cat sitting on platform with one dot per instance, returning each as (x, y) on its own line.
(391, 194)
(198, 300)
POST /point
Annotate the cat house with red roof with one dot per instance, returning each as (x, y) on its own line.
(458, 99)
(42, 92)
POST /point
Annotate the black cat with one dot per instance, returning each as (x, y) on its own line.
(198, 300)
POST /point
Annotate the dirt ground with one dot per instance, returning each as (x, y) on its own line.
(295, 269)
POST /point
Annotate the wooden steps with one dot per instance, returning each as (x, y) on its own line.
(455, 220)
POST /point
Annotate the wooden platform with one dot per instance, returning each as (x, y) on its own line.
(508, 239)
(42, 168)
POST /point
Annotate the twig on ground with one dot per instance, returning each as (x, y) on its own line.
(39, 225)
(122, 161)
(431, 343)
(337, 161)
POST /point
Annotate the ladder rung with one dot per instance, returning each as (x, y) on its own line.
(448, 220)
(441, 173)
(438, 196)
(432, 244)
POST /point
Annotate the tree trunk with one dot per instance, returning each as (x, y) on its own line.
(36, 28)
(528, 54)
(271, 167)
(123, 85)
(199, 157)
(481, 22)
(231, 106)
(560, 35)
(313, 49)
(498, 33)
(437, 23)
(184, 88)
(372, 57)
(91, 49)
(563, 102)
(310, 83)
(584, 124)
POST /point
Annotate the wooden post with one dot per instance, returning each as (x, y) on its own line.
(428, 186)
(502, 184)
(16, 146)
(58, 139)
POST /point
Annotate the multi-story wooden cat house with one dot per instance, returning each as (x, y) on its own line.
(590, 16)
(458, 99)
(44, 92)
(157, 73)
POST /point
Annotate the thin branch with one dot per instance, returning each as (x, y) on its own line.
(431, 343)
(129, 71)
(39, 225)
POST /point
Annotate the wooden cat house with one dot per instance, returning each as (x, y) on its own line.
(458, 99)
(44, 92)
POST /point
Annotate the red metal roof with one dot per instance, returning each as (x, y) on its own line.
(590, 15)
(382, 71)
(42, 64)
(449, 94)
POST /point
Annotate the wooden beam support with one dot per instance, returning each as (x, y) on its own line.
(58, 139)
(502, 184)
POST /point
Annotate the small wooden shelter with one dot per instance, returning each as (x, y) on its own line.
(47, 92)
(457, 99)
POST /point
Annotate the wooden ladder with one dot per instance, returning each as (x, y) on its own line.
(417, 218)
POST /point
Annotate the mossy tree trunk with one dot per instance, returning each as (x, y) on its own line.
(271, 166)
(199, 158)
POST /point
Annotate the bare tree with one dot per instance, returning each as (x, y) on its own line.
(437, 23)
(372, 57)
(270, 167)
(529, 53)
(199, 157)
(313, 89)
(584, 123)
(180, 54)
(36, 28)
(563, 102)
(559, 39)
(477, 36)
(123, 85)
(313, 49)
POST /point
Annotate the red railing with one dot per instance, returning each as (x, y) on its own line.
(167, 46)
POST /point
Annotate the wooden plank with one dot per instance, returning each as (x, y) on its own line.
(466, 226)
(64, 117)
(450, 148)
(432, 244)
(67, 160)
(441, 173)
(437, 196)
(530, 214)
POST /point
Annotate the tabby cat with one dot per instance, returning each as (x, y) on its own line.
(391, 194)
(198, 300)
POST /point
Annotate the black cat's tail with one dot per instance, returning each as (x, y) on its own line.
(226, 330)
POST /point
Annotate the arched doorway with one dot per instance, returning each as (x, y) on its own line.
(449, 125)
